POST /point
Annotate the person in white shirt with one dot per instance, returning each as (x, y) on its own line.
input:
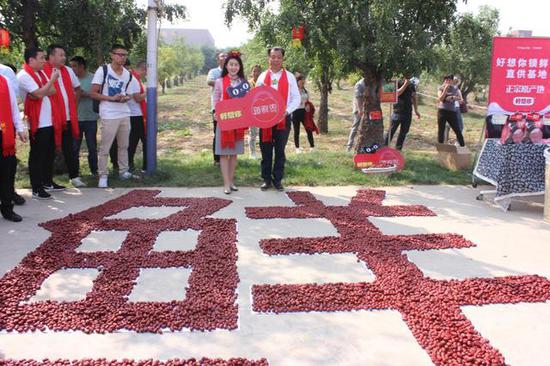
(68, 92)
(35, 88)
(274, 139)
(113, 89)
(10, 121)
(9, 72)
(138, 116)
(213, 75)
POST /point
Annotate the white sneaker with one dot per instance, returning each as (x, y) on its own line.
(77, 182)
(311, 149)
(103, 182)
(299, 150)
(127, 175)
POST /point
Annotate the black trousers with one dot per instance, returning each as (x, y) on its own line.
(41, 157)
(69, 155)
(137, 134)
(273, 171)
(403, 121)
(298, 117)
(215, 126)
(444, 116)
(8, 166)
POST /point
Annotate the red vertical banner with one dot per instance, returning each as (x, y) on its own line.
(519, 75)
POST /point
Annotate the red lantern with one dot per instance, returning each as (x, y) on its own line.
(4, 38)
(298, 33)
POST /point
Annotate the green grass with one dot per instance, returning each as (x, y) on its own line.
(185, 158)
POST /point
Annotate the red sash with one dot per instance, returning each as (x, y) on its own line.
(34, 106)
(267, 135)
(229, 137)
(6, 119)
(58, 98)
(143, 104)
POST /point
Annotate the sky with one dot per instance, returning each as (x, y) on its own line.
(208, 14)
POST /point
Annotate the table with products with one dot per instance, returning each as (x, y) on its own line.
(516, 170)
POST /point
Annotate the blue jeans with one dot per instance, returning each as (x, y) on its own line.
(88, 129)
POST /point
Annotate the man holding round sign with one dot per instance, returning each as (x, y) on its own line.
(274, 139)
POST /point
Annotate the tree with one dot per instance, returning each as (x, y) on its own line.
(381, 38)
(167, 65)
(209, 56)
(318, 52)
(467, 50)
(88, 26)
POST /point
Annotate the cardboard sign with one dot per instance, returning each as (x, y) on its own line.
(388, 93)
(384, 156)
(262, 107)
(519, 75)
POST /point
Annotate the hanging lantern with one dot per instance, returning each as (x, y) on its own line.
(297, 35)
(4, 39)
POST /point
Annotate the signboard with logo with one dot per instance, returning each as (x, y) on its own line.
(262, 107)
(388, 93)
(519, 76)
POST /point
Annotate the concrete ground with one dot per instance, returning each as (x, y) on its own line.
(514, 243)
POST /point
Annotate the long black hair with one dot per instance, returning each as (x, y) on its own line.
(234, 55)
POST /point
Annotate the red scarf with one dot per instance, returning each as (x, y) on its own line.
(34, 106)
(6, 119)
(143, 104)
(229, 137)
(267, 135)
(58, 98)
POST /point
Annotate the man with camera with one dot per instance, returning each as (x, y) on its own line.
(113, 86)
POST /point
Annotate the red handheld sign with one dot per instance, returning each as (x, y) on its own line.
(262, 107)
(385, 155)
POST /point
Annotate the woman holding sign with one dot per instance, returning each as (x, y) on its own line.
(230, 143)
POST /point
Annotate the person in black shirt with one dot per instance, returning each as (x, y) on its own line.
(402, 111)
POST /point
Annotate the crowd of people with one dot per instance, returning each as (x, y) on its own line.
(226, 145)
(450, 105)
(62, 106)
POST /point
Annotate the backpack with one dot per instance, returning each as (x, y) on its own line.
(95, 103)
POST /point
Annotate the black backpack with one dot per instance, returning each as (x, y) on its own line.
(95, 103)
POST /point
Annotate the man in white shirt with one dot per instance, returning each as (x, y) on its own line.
(113, 89)
(274, 139)
(36, 89)
(214, 74)
(68, 90)
(10, 121)
(138, 115)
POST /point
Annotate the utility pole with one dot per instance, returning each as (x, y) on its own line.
(152, 39)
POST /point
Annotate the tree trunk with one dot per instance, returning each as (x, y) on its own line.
(325, 87)
(323, 110)
(100, 55)
(30, 38)
(371, 131)
(163, 86)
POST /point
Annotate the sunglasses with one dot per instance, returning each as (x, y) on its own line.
(120, 54)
